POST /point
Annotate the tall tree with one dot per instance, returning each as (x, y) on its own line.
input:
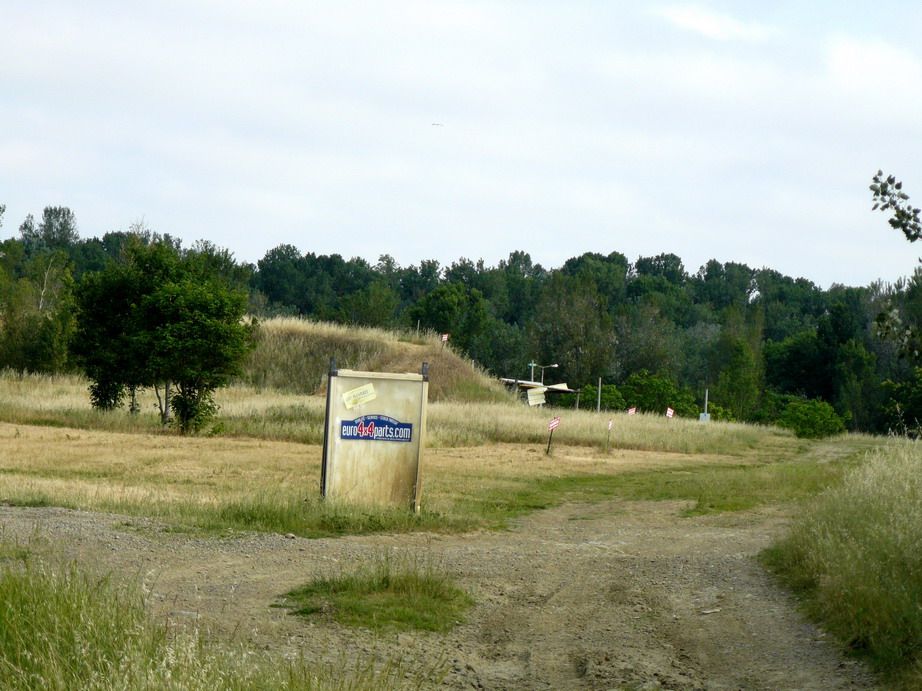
(161, 317)
(573, 329)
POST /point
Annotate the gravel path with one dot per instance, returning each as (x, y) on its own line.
(617, 595)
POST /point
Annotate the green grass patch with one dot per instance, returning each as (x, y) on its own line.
(393, 592)
(712, 489)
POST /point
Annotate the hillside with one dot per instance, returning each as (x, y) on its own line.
(294, 354)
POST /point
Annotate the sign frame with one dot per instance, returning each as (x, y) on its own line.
(373, 437)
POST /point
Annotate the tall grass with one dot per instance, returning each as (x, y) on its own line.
(856, 557)
(65, 629)
(62, 401)
(462, 424)
(293, 355)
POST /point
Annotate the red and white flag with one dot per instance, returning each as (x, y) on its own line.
(670, 412)
(609, 424)
(632, 411)
(444, 338)
(553, 424)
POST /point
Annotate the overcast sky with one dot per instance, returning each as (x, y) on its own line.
(740, 131)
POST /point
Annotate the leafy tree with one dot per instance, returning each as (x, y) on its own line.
(161, 317)
(501, 348)
(739, 383)
(193, 332)
(57, 230)
(374, 305)
(723, 285)
(799, 365)
(524, 282)
(453, 308)
(653, 393)
(607, 273)
(571, 327)
(889, 196)
(647, 341)
(36, 315)
(903, 405)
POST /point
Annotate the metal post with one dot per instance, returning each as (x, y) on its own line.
(598, 404)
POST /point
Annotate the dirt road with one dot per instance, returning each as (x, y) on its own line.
(618, 595)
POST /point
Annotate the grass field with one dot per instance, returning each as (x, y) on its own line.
(485, 464)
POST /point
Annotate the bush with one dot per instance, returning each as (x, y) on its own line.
(813, 419)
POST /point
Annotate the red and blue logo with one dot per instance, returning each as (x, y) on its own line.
(376, 428)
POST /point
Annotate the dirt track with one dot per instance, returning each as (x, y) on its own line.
(618, 595)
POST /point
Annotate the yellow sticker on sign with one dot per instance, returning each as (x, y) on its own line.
(361, 395)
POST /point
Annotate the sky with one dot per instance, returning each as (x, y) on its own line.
(728, 130)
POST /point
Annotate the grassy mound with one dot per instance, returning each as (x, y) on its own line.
(294, 355)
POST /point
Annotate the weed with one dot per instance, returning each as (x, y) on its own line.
(393, 591)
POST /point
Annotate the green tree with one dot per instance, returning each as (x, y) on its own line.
(454, 309)
(161, 317)
(37, 316)
(653, 393)
(573, 328)
(374, 305)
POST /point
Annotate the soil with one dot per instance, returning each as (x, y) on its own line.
(614, 595)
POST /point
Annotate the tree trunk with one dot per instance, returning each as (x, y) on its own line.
(163, 403)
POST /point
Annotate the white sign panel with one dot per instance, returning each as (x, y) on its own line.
(374, 433)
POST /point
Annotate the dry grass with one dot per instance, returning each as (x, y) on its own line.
(275, 415)
(856, 556)
(294, 355)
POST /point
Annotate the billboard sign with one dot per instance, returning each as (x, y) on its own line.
(373, 436)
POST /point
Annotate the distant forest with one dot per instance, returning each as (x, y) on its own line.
(755, 338)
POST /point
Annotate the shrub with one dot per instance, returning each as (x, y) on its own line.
(812, 419)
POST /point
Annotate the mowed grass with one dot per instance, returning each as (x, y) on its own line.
(229, 483)
(484, 463)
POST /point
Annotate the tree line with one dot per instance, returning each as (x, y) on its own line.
(760, 342)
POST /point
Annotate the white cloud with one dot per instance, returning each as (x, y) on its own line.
(714, 25)
(872, 64)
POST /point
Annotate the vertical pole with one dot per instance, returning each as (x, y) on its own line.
(598, 403)
(549, 438)
(326, 431)
(577, 398)
(705, 401)
(532, 365)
